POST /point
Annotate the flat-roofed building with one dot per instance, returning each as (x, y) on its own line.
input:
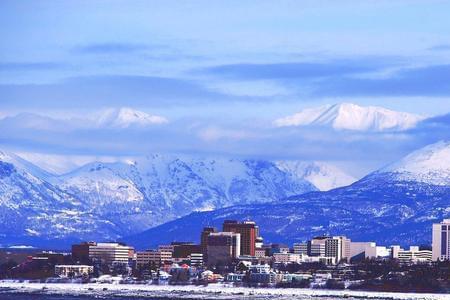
(223, 247)
(301, 248)
(149, 257)
(362, 250)
(287, 257)
(317, 246)
(185, 249)
(80, 252)
(441, 240)
(414, 254)
(109, 253)
(248, 232)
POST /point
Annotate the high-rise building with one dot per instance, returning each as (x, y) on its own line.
(441, 240)
(248, 231)
(316, 247)
(204, 238)
(223, 247)
(338, 247)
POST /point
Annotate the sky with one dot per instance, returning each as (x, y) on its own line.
(220, 72)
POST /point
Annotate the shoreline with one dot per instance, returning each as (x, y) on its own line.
(212, 291)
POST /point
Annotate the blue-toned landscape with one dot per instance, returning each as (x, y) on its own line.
(262, 146)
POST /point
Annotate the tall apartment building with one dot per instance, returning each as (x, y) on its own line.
(248, 231)
(441, 240)
(223, 247)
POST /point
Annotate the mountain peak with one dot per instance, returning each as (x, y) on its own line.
(349, 116)
(127, 117)
(430, 164)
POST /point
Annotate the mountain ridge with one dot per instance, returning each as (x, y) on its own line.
(125, 197)
(349, 116)
(380, 207)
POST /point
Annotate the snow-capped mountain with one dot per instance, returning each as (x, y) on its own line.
(430, 165)
(127, 117)
(109, 200)
(151, 190)
(323, 176)
(385, 206)
(33, 209)
(348, 116)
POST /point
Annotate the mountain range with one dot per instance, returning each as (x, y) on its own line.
(111, 200)
(157, 198)
(394, 205)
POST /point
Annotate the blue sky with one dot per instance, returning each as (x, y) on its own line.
(222, 64)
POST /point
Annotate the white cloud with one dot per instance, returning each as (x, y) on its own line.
(213, 133)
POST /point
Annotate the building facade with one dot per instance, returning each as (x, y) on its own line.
(109, 253)
(248, 232)
(152, 257)
(414, 254)
(301, 248)
(441, 240)
(223, 247)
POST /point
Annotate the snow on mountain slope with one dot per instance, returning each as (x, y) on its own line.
(430, 165)
(351, 117)
(126, 117)
(24, 165)
(156, 188)
(322, 175)
(30, 206)
(395, 205)
(109, 200)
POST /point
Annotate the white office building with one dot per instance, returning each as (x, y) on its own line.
(411, 255)
(111, 252)
(441, 240)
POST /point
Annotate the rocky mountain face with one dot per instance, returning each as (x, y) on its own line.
(110, 200)
(395, 205)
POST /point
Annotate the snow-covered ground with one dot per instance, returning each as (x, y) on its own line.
(212, 291)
